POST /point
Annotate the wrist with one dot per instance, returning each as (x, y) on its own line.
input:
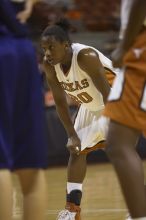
(71, 133)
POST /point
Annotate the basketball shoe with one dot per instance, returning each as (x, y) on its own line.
(128, 217)
(71, 212)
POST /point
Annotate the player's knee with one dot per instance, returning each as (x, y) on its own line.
(29, 179)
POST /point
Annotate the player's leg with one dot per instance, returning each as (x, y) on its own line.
(33, 184)
(75, 176)
(90, 133)
(6, 193)
(128, 166)
(31, 148)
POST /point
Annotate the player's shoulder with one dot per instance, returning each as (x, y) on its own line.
(83, 50)
(87, 53)
(87, 56)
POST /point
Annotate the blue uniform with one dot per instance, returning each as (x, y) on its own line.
(22, 121)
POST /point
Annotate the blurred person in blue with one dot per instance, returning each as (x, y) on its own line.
(23, 146)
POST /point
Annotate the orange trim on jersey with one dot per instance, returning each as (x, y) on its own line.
(127, 109)
(99, 145)
(110, 75)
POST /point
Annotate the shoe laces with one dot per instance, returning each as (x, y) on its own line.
(66, 215)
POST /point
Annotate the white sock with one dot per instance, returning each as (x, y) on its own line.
(73, 186)
(143, 218)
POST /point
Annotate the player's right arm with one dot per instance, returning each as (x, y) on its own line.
(23, 16)
(134, 25)
(62, 107)
(8, 17)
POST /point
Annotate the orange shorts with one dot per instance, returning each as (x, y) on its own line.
(127, 100)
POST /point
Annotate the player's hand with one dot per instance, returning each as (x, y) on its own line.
(46, 64)
(23, 16)
(74, 144)
(48, 68)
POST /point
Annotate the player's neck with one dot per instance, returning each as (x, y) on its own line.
(66, 64)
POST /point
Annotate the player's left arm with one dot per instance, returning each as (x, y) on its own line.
(26, 13)
(88, 61)
(8, 18)
(136, 19)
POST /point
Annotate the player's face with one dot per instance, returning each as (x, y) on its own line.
(54, 51)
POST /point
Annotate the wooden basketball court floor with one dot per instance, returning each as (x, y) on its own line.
(102, 197)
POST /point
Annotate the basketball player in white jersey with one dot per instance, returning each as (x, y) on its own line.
(80, 71)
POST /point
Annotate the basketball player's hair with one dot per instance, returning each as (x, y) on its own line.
(59, 30)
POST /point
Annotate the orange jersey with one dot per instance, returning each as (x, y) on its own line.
(135, 58)
(127, 100)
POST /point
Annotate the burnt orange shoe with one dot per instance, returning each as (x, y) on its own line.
(71, 212)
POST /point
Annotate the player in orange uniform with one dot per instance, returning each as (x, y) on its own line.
(126, 108)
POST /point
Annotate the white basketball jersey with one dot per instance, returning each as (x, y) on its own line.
(78, 84)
